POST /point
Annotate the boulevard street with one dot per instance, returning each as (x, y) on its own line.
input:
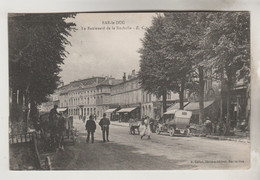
(161, 152)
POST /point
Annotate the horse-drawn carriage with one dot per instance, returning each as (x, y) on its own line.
(58, 130)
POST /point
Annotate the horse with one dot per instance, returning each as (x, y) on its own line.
(51, 130)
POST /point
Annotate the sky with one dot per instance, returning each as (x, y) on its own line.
(110, 50)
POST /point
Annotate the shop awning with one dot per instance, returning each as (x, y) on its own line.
(177, 106)
(110, 110)
(194, 106)
(126, 110)
(171, 111)
(62, 109)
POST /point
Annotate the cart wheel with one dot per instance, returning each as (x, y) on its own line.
(157, 131)
(171, 131)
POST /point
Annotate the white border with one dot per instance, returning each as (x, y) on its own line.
(119, 5)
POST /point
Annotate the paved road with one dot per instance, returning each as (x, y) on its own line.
(129, 152)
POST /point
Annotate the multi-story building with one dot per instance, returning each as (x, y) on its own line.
(127, 95)
(79, 96)
(97, 95)
(130, 94)
(103, 95)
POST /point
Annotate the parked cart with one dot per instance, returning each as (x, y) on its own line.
(134, 127)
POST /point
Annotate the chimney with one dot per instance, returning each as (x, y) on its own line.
(124, 77)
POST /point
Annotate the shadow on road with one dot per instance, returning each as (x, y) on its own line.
(111, 156)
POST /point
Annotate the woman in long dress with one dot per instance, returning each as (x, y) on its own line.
(145, 129)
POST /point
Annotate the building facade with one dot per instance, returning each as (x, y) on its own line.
(96, 95)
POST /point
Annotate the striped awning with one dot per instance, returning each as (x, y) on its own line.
(110, 110)
(171, 111)
(177, 106)
(126, 110)
(62, 109)
(193, 106)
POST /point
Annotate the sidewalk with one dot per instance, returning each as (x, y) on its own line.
(224, 138)
(122, 124)
(236, 138)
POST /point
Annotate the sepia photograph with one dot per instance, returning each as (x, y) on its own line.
(136, 90)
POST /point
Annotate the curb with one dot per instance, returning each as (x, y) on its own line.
(222, 138)
(122, 125)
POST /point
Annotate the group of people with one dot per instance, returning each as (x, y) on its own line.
(91, 128)
(145, 129)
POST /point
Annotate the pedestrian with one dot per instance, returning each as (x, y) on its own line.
(145, 129)
(53, 123)
(104, 123)
(53, 115)
(90, 127)
(208, 125)
(62, 126)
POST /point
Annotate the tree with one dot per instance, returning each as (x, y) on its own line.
(36, 50)
(184, 31)
(226, 44)
(153, 75)
(167, 56)
(181, 30)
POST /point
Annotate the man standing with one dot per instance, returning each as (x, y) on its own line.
(53, 122)
(104, 123)
(90, 127)
(53, 113)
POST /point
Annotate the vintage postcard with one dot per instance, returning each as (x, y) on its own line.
(162, 90)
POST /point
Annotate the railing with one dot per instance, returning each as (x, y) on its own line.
(21, 138)
(31, 137)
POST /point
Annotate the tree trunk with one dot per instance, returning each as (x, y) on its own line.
(181, 94)
(26, 111)
(164, 101)
(201, 95)
(20, 98)
(13, 109)
(221, 95)
(33, 112)
(228, 110)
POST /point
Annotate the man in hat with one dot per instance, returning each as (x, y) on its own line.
(54, 113)
(53, 122)
(90, 127)
(104, 123)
